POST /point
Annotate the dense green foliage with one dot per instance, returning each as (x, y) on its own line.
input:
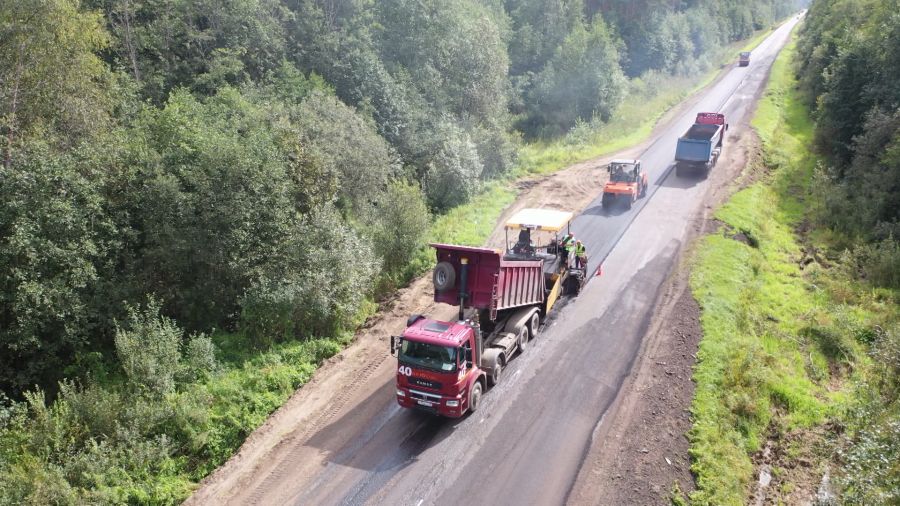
(198, 198)
(849, 69)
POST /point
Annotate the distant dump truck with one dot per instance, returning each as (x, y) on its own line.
(699, 148)
(744, 59)
(444, 367)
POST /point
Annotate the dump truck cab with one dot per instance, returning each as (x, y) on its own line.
(627, 183)
(744, 59)
(436, 367)
(502, 296)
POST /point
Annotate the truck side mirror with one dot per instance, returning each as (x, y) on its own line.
(395, 344)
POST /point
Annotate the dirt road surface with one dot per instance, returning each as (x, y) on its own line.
(342, 439)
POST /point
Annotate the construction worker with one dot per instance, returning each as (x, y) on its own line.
(580, 255)
(567, 245)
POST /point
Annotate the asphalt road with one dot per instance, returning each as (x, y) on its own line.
(528, 440)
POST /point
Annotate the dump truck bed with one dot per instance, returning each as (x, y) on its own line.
(698, 143)
(492, 282)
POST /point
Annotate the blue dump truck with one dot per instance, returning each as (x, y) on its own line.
(699, 148)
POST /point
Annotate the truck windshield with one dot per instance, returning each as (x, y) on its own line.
(429, 356)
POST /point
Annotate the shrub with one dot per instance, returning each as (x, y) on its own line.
(317, 290)
(149, 349)
(451, 177)
(399, 224)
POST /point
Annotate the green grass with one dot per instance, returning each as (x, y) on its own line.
(774, 343)
(249, 386)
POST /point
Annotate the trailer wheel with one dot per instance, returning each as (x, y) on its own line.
(475, 397)
(534, 325)
(444, 276)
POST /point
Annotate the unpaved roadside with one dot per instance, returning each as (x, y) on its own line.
(279, 451)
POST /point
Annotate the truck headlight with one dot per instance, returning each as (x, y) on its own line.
(452, 404)
(401, 393)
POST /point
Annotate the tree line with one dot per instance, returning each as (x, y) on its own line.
(848, 67)
(849, 70)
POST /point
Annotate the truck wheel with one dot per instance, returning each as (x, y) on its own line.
(475, 397)
(496, 373)
(630, 201)
(534, 325)
(604, 201)
(444, 276)
(522, 339)
(643, 190)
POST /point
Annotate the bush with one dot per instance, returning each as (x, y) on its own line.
(880, 262)
(319, 290)
(451, 177)
(582, 80)
(349, 146)
(153, 354)
(399, 224)
(56, 238)
(149, 350)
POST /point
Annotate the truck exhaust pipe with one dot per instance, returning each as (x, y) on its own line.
(463, 286)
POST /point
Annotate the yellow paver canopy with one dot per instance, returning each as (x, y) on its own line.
(540, 219)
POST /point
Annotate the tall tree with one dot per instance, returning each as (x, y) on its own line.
(52, 78)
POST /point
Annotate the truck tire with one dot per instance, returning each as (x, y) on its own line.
(643, 190)
(475, 397)
(522, 338)
(534, 325)
(493, 358)
(444, 277)
(630, 201)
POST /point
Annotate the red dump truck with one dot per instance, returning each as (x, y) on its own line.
(699, 148)
(445, 367)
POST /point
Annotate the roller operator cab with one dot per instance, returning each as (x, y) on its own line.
(445, 367)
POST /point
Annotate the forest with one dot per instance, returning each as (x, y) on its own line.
(188, 183)
(848, 70)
